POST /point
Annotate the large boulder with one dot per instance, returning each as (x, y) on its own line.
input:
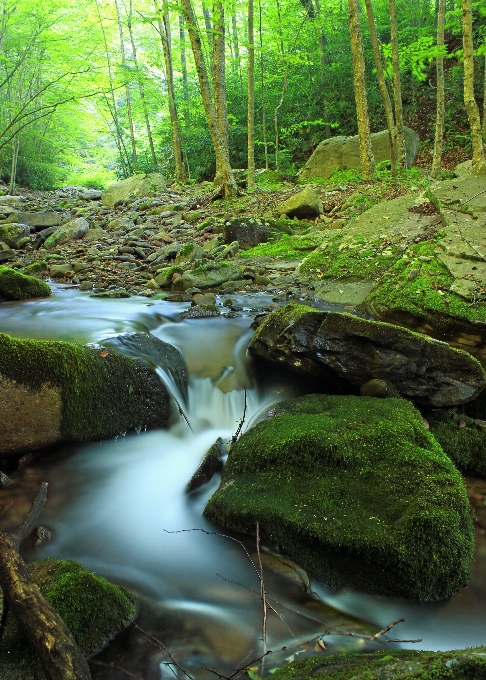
(250, 231)
(304, 204)
(11, 234)
(39, 220)
(399, 664)
(73, 229)
(133, 187)
(93, 609)
(57, 391)
(208, 276)
(356, 491)
(342, 153)
(17, 286)
(424, 370)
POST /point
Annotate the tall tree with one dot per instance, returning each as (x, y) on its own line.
(439, 125)
(469, 98)
(251, 97)
(385, 97)
(127, 86)
(397, 88)
(365, 150)
(219, 75)
(221, 151)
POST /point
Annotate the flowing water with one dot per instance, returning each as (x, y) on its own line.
(120, 508)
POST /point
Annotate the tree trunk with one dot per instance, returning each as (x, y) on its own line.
(219, 75)
(262, 78)
(164, 30)
(59, 655)
(127, 88)
(397, 89)
(251, 98)
(385, 97)
(484, 98)
(469, 99)
(322, 69)
(141, 89)
(15, 156)
(221, 152)
(439, 126)
(185, 86)
(365, 150)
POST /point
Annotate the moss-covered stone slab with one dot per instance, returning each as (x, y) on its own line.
(424, 370)
(17, 286)
(356, 491)
(133, 187)
(208, 276)
(55, 391)
(462, 438)
(395, 664)
(343, 153)
(73, 229)
(40, 220)
(93, 609)
(304, 204)
(251, 231)
(11, 234)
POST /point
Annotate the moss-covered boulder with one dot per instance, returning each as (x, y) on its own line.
(395, 664)
(93, 609)
(424, 370)
(55, 391)
(356, 491)
(11, 234)
(73, 229)
(250, 231)
(39, 220)
(304, 204)
(208, 276)
(17, 286)
(133, 187)
(463, 439)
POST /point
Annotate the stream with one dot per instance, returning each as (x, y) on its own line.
(120, 509)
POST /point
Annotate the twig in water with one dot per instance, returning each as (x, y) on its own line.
(116, 668)
(158, 643)
(263, 594)
(234, 438)
(181, 412)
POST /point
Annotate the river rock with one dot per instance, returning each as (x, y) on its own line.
(93, 609)
(74, 229)
(121, 223)
(11, 234)
(210, 464)
(393, 664)
(59, 271)
(304, 204)
(7, 253)
(250, 231)
(189, 253)
(57, 391)
(39, 220)
(207, 276)
(342, 153)
(133, 187)
(424, 370)
(90, 195)
(356, 491)
(17, 286)
(11, 200)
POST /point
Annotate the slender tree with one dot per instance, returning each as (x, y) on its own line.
(185, 83)
(262, 88)
(219, 75)
(220, 149)
(439, 125)
(385, 97)
(365, 150)
(469, 98)
(127, 87)
(397, 88)
(251, 97)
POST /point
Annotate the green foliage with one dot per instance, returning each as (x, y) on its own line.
(461, 441)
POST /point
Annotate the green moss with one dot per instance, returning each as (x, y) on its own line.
(426, 295)
(164, 275)
(393, 664)
(35, 267)
(286, 248)
(118, 293)
(356, 491)
(461, 441)
(93, 609)
(17, 286)
(101, 395)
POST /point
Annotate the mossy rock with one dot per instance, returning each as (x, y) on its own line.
(55, 391)
(17, 286)
(356, 491)
(286, 247)
(11, 234)
(461, 441)
(396, 664)
(207, 276)
(35, 267)
(250, 231)
(93, 609)
(133, 187)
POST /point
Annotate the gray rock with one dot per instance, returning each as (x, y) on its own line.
(320, 344)
(304, 204)
(121, 224)
(207, 276)
(91, 195)
(39, 220)
(343, 153)
(58, 271)
(7, 254)
(210, 464)
(74, 229)
(133, 187)
(250, 231)
(12, 233)
(378, 388)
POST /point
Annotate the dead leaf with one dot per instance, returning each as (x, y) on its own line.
(104, 353)
(462, 423)
(426, 423)
(320, 646)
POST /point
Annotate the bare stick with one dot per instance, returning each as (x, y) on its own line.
(26, 528)
(181, 412)
(158, 643)
(115, 667)
(263, 594)
(234, 438)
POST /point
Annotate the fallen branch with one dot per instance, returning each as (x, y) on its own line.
(234, 438)
(59, 655)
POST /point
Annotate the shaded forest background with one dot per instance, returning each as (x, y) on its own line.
(85, 86)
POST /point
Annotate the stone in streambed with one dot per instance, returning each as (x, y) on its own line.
(39, 220)
(208, 276)
(302, 205)
(133, 187)
(356, 491)
(74, 229)
(93, 609)
(314, 343)
(11, 234)
(210, 464)
(17, 286)
(251, 231)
